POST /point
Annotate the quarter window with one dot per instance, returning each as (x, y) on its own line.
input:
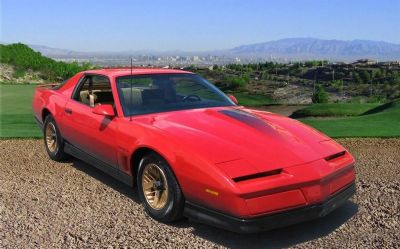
(94, 90)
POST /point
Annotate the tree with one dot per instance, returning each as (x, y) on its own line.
(320, 95)
(357, 78)
(246, 78)
(264, 75)
(378, 74)
(365, 76)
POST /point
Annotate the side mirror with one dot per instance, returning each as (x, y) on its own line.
(105, 110)
(233, 98)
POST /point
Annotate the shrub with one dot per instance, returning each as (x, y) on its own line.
(320, 95)
(19, 73)
(236, 82)
(376, 99)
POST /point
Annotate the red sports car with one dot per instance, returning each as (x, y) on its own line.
(192, 151)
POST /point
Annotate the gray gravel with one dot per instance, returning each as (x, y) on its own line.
(60, 205)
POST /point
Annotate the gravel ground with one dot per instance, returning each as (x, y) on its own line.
(60, 205)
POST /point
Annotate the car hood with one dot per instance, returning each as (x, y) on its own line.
(232, 136)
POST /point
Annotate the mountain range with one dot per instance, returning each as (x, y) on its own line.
(287, 49)
(312, 48)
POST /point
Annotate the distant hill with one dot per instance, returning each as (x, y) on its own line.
(19, 59)
(290, 48)
(312, 48)
(60, 53)
(51, 52)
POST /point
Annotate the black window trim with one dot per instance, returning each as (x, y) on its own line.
(81, 81)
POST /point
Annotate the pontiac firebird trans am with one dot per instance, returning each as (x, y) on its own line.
(192, 151)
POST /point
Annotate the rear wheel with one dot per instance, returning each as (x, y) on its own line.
(159, 190)
(53, 141)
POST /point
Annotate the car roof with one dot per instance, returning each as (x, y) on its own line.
(116, 72)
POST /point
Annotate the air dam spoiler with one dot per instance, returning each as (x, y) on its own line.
(268, 222)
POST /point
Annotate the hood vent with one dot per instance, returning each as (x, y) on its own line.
(257, 175)
(250, 120)
(334, 156)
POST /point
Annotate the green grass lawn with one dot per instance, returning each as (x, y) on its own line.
(382, 121)
(334, 110)
(253, 99)
(16, 117)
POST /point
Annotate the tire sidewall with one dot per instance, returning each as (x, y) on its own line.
(58, 154)
(174, 206)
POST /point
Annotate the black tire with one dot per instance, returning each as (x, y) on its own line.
(57, 152)
(173, 208)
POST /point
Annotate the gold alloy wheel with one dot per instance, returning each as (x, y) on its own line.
(51, 137)
(155, 186)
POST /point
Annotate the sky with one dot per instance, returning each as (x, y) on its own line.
(161, 25)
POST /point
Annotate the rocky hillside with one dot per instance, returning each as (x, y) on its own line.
(8, 74)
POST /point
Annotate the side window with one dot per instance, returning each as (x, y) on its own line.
(94, 90)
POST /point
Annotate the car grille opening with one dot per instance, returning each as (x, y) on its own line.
(331, 157)
(257, 175)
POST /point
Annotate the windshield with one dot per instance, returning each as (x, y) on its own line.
(167, 92)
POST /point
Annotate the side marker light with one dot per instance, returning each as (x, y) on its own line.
(212, 192)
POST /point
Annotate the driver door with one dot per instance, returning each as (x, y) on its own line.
(92, 133)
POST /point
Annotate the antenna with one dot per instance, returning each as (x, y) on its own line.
(131, 97)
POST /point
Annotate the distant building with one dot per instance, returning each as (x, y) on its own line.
(365, 62)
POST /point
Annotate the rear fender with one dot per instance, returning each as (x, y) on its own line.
(48, 99)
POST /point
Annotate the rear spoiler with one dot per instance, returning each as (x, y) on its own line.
(50, 85)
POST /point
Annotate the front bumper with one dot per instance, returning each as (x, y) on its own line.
(268, 222)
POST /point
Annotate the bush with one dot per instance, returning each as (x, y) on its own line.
(236, 83)
(320, 95)
(337, 84)
(376, 99)
(18, 73)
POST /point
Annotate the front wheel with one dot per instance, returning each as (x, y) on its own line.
(159, 190)
(53, 141)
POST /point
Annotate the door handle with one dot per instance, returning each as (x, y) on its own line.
(68, 111)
